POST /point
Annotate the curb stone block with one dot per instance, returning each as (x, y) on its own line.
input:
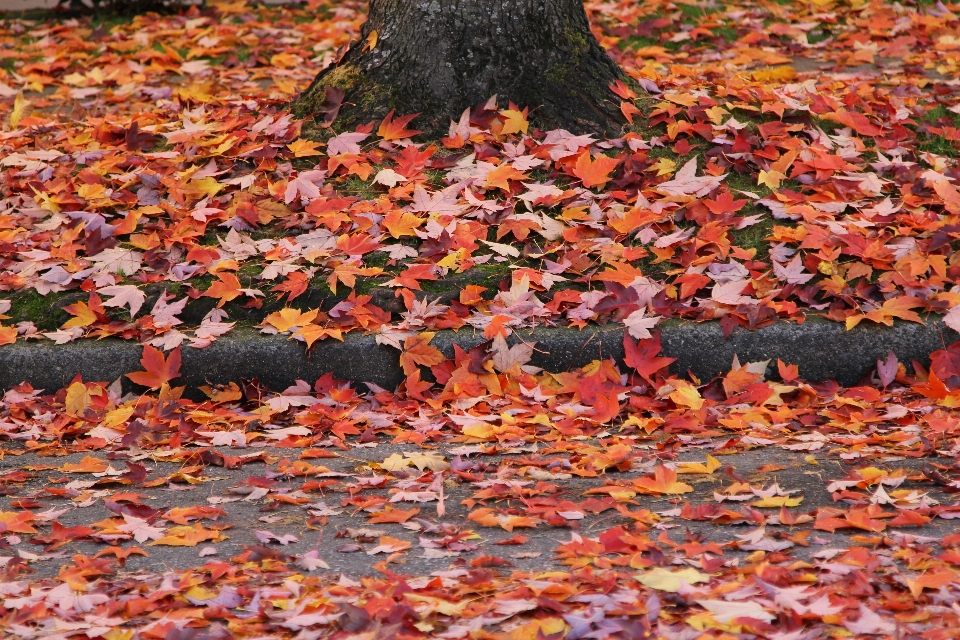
(822, 350)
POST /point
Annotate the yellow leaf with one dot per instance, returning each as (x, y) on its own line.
(770, 178)
(482, 431)
(285, 61)
(664, 166)
(431, 461)
(686, 395)
(20, 105)
(784, 72)
(395, 462)
(777, 501)
(663, 580)
(78, 399)
(438, 605)
(287, 318)
(544, 628)
(698, 467)
(716, 113)
(514, 122)
(117, 416)
(400, 223)
(206, 186)
(304, 148)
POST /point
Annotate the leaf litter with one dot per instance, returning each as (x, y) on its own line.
(781, 167)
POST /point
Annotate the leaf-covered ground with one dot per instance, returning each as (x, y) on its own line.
(784, 160)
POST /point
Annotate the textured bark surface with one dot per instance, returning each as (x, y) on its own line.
(439, 57)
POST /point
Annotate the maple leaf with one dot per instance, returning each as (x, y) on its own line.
(186, 536)
(304, 148)
(682, 393)
(295, 284)
(686, 182)
(417, 351)
(771, 179)
(288, 318)
(501, 176)
(788, 372)
(711, 465)
(83, 316)
(662, 580)
(226, 288)
(140, 529)
(389, 545)
(158, 370)
(724, 610)
(304, 186)
(401, 224)
(89, 464)
(897, 307)
(312, 332)
(17, 521)
(887, 370)
(266, 537)
(506, 357)
(792, 273)
(8, 335)
(392, 515)
(594, 173)
(389, 178)
(642, 355)
(311, 561)
(391, 129)
(639, 325)
(514, 121)
(124, 296)
(663, 481)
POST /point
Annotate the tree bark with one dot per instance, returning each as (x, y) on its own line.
(439, 57)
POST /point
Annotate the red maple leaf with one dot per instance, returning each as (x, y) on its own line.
(391, 129)
(158, 370)
(642, 355)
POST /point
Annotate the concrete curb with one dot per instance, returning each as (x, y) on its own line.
(822, 349)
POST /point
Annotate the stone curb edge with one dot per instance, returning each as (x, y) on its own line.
(822, 350)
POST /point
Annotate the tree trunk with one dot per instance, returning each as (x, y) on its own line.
(439, 57)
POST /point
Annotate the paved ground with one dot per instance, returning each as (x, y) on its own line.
(341, 533)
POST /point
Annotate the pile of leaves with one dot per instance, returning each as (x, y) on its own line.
(156, 188)
(657, 523)
(779, 165)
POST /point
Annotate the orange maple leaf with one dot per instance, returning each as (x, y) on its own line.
(391, 129)
(17, 521)
(226, 289)
(664, 480)
(158, 370)
(313, 332)
(594, 173)
(899, 307)
(417, 351)
(188, 536)
(860, 518)
(501, 176)
(83, 316)
(400, 223)
(396, 516)
(8, 335)
(89, 464)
